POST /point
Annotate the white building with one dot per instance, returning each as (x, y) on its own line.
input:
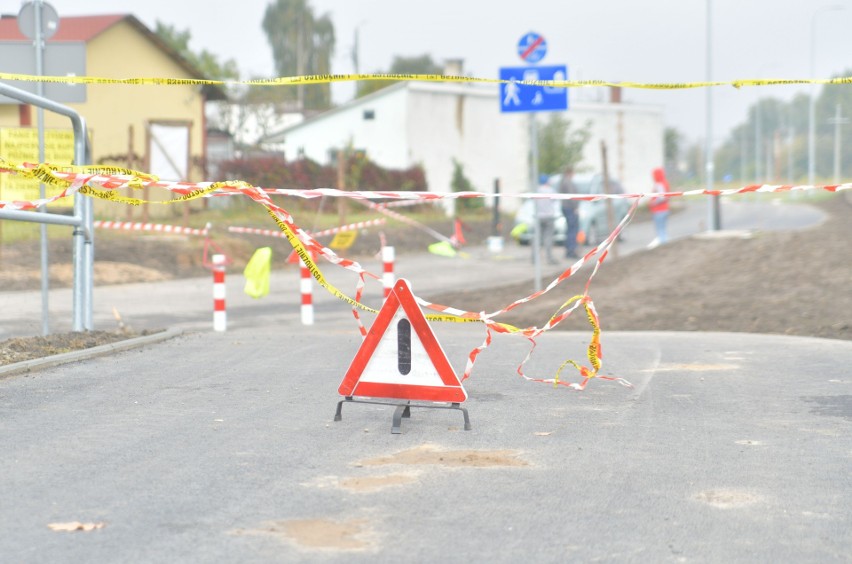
(431, 124)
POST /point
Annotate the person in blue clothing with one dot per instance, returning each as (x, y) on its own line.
(569, 210)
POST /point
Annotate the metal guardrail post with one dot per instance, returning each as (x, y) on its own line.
(83, 248)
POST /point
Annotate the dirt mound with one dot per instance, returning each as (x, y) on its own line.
(792, 283)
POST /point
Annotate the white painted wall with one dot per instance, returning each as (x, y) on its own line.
(633, 136)
(432, 123)
(383, 137)
(456, 121)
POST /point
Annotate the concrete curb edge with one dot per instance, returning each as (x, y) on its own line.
(73, 356)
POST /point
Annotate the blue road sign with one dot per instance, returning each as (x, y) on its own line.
(527, 98)
(532, 47)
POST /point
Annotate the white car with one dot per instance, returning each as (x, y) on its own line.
(593, 226)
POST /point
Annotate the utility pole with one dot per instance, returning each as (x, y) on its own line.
(300, 59)
(342, 158)
(790, 154)
(610, 212)
(537, 285)
(715, 214)
(757, 135)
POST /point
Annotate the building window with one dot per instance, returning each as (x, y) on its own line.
(369, 114)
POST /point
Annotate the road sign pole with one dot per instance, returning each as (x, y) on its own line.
(42, 192)
(534, 188)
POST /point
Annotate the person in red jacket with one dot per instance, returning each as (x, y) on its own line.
(659, 207)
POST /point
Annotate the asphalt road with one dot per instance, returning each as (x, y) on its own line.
(222, 448)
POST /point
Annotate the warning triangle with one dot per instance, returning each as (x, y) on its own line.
(400, 358)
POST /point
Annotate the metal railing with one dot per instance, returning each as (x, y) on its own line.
(84, 246)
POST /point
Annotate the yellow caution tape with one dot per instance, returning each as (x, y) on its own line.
(594, 348)
(113, 196)
(312, 266)
(329, 78)
(46, 174)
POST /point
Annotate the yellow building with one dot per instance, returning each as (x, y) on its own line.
(160, 129)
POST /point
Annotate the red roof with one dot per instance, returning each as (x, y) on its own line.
(86, 28)
(71, 28)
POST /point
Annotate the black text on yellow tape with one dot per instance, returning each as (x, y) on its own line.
(593, 350)
(329, 78)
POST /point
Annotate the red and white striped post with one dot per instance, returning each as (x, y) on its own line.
(307, 297)
(387, 273)
(220, 319)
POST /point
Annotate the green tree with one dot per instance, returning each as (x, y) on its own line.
(771, 145)
(302, 44)
(461, 183)
(560, 145)
(204, 61)
(673, 147)
(421, 64)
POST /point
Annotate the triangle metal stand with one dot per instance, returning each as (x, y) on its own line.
(402, 411)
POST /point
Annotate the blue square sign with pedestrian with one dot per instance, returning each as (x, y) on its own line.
(515, 97)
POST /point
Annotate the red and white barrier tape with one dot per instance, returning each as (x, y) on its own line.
(404, 203)
(406, 220)
(151, 227)
(220, 316)
(388, 279)
(305, 244)
(330, 231)
(307, 308)
(73, 181)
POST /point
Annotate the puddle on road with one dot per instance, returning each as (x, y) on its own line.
(431, 454)
(319, 534)
(727, 499)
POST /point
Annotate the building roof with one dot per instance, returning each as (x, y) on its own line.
(87, 28)
(73, 28)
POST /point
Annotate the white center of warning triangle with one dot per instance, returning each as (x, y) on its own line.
(384, 366)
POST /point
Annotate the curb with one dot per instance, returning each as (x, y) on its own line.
(64, 358)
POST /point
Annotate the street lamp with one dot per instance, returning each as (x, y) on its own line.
(812, 99)
(714, 213)
(837, 121)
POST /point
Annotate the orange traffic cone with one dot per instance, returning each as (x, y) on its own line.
(458, 237)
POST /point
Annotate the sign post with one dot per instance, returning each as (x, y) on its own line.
(529, 98)
(39, 21)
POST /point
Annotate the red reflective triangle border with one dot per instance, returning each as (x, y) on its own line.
(451, 391)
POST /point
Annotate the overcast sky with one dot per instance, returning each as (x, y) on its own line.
(616, 40)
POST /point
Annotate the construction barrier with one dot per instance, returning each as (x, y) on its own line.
(388, 257)
(307, 309)
(220, 317)
(331, 231)
(104, 183)
(152, 228)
